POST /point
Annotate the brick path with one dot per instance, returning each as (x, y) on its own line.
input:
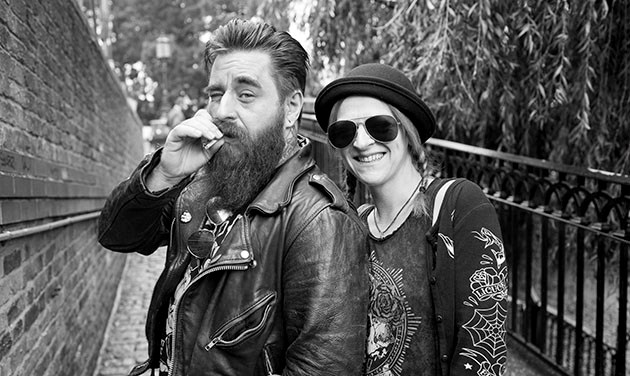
(125, 344)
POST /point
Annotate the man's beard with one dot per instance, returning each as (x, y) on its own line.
(243, 167)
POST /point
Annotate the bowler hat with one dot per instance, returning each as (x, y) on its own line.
(381, 82)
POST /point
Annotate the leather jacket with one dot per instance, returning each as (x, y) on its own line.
(287, 292)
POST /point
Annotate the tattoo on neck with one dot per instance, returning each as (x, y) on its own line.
(291, 146)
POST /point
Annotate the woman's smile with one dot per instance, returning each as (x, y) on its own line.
(369, 158)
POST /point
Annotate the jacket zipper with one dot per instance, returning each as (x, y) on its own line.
(241, 266)
(170, 244)
(227, 326)
(176, 309)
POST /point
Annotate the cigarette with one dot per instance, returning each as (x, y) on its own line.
(207, 144)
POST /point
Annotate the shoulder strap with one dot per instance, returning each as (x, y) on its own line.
(439, 197)
(363, 209)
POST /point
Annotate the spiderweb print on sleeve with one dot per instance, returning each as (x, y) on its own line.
(487, 331)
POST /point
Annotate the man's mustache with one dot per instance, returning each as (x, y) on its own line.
(230, 129)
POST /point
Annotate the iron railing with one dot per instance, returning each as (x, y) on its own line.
(566, 234)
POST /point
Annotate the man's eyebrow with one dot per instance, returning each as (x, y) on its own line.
(240, 80)
(211, 88)
(248, 80)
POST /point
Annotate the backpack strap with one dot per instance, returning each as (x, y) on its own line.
(439, 198)
(364, 209)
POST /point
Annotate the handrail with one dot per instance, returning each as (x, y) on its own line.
(616, 236)
(540, 163)
(10, 235)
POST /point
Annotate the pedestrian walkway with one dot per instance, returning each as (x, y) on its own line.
(125, 343)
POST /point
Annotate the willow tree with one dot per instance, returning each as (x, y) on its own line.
(138, 23)
(548, 79)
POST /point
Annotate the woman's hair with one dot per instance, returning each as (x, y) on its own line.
(422, 162)
(425, 165)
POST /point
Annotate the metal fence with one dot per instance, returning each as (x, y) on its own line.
(566, 233)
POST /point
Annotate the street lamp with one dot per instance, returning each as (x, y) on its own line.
(163, 53)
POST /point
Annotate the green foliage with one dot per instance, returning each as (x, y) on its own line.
(137, 25)
(548, 79)
(346, 33)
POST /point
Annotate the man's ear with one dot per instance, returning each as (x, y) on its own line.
(293, 108)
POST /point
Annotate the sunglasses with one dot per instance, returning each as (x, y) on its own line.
(382, 128)
(203, 242)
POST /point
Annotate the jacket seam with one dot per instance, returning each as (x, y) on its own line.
(470, 212)
(305, 224)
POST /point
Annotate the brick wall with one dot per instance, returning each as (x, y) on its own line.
(67, 137)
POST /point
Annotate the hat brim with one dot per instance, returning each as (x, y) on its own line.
(409, 103)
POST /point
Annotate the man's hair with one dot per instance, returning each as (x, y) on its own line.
(289, 59)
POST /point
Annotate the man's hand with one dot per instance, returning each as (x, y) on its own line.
(188, 147)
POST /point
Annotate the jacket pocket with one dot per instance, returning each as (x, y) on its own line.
(245, 325)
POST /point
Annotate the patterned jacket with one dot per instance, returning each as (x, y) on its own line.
(468, 282)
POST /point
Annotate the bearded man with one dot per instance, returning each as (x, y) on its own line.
(266, 267)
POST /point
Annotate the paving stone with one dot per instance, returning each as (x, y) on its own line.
(125, 340)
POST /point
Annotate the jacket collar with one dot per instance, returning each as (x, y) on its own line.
(278, 192)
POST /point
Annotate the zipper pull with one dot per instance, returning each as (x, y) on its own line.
(212, 343)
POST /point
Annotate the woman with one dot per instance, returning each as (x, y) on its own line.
(439, 291)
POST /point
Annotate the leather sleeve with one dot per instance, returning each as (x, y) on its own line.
(326, 297)
(133, 219)
(480, 286)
